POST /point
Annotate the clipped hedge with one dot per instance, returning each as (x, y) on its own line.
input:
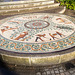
(70, 4)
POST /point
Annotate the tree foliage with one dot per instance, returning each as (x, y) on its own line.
(70, 4)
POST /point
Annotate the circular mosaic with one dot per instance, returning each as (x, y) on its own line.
(37, 33)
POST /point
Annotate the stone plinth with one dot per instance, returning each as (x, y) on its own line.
(33, 39)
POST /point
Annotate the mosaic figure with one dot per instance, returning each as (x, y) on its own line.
(63, 21)
(46, 17)
(60, 34)
(57, 33)
(64, 27)
(18, 22)
(39, 37)
(53, 36)
(22, 35)
(6, 28)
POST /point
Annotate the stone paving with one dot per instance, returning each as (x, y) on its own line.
(70, 12)
(45, 70)
(56, 71)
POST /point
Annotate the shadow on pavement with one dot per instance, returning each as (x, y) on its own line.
(4, 70)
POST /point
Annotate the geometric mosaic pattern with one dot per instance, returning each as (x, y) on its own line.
(37, 33)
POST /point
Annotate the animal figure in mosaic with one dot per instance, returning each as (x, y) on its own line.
(63, 27)
(18, 22)
(29, 17)
(60, 34)
(46, 17)
(22, 35)
(63, 21)
(57, 33)
(53, 36)
(25, 38)
(6, 28)
(39, 37)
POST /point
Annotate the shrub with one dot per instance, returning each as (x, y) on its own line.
(70, 4)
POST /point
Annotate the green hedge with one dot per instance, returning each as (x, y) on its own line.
(70, 4)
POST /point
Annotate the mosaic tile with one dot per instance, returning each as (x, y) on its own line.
(37, 33)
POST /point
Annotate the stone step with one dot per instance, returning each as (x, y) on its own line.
(60, 10)
(29, 9)
(51, 10)
(24, 4)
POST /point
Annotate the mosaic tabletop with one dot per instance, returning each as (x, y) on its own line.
(37, 33)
